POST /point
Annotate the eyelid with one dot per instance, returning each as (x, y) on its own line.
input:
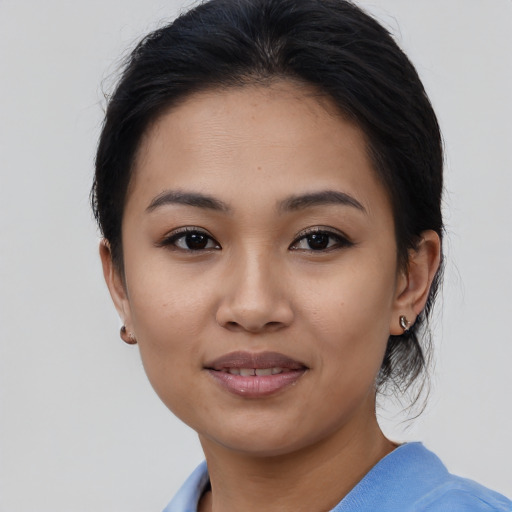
(344, 240)
(169, 238)
(320, 229)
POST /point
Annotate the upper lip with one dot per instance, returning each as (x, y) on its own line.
(259, 360)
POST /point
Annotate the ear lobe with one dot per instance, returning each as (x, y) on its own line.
(115, 282)
(416, 280)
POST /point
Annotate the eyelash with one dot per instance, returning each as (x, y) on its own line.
(171, 240)
(340, 240)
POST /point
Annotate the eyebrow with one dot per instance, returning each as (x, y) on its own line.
(196, 199)
(324, 197)
(292, 203)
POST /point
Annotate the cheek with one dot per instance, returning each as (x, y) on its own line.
(166, 301)
(168, 323)
(170, 313)
(353, 298)
(349, 317)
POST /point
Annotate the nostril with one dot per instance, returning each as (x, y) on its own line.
(254, 313)
(253, 327)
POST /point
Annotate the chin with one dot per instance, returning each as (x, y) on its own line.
(262, 447)
(265, 440)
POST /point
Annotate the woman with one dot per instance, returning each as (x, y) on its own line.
(268, 184)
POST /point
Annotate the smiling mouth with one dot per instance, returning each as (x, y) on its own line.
(255, 375)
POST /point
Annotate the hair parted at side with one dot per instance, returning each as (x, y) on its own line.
(331, 45)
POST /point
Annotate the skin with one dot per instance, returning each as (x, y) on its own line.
(258, 285)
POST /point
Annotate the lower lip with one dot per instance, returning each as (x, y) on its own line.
(256, 386)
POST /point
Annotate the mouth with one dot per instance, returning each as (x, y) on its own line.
(256, 372)
(255, 375)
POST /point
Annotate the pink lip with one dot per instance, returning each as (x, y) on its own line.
(255, 386)
(254, 360)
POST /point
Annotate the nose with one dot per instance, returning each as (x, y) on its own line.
(254, 296)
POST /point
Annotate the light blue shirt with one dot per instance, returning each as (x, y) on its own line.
(409, 479)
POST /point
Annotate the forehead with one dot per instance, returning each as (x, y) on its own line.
(274, 139)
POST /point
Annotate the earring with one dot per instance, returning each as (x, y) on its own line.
(404, 323)
(127, 337)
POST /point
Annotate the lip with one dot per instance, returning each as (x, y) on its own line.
(288, 372)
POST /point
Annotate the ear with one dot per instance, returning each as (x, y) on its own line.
(115, 284)
(414, 282)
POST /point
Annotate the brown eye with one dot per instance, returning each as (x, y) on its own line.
(190, 240)
(195, 241)
(320, 240)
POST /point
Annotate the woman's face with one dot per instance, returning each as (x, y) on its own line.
(260, 262)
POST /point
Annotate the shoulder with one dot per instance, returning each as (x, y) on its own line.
(462, 495)
(413, 479)
(434, 489)
(441, 491)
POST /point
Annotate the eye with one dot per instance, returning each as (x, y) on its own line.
(190, 239)
(320, 240)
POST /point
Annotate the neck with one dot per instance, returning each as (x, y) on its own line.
(315, 478)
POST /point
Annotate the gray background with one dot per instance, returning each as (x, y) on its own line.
(80, 427)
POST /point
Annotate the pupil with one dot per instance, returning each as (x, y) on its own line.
(196, 241)
(318, 241)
